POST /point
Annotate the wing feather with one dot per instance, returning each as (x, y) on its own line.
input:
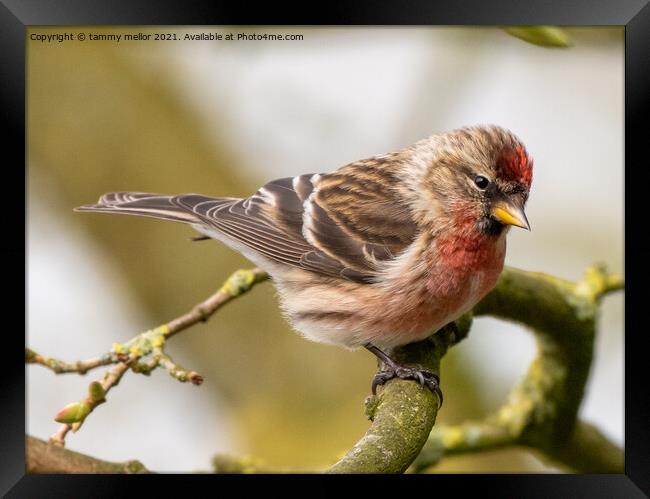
(340, 224)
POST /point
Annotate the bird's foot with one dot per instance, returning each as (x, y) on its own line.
(422, 376)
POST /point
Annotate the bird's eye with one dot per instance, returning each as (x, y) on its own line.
(481, 182)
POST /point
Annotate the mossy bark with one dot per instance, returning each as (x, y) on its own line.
(43, 457)
(403, 413)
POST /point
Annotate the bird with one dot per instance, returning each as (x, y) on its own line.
(379, 253)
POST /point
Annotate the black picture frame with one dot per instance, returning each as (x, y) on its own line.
(634, 15)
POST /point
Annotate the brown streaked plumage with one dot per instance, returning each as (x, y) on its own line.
(382, 251)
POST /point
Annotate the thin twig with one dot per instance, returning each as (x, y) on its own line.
(61, 367)
(175, 370)
(128, 355)
(111, 379)
(237, 284)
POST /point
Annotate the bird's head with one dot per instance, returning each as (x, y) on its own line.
(479, 175)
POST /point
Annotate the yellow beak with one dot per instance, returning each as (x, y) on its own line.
(510, 213)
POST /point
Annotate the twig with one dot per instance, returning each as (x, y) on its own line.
(237, 284)
(148, 344)
(61, 367)
(175, 370)
(73, 415)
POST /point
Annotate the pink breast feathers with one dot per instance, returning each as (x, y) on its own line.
(466, 267)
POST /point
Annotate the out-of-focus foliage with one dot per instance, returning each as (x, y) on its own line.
(544, 36)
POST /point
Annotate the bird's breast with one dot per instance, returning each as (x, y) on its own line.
(453, 275)
(432, 286)
(464, 270)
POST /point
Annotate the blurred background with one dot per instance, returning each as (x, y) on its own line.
(222, 118)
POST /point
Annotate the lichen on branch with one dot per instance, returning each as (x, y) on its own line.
(403, 413)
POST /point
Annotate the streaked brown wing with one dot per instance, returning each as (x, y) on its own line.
(243, 220)
(338, 224)
(356, 215)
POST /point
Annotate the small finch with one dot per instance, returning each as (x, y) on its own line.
(380, 252)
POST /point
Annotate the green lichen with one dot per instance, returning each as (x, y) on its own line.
(370, 406)
(144, 367)
(239, 282)
(144, 343)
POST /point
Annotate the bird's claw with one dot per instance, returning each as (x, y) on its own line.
(423, 376)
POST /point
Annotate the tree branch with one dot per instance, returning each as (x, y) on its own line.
(539, 414)
(541, 411)
(47, 458)
(404, 412)
(587, 451)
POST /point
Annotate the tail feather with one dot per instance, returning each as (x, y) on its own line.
(143, 204)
